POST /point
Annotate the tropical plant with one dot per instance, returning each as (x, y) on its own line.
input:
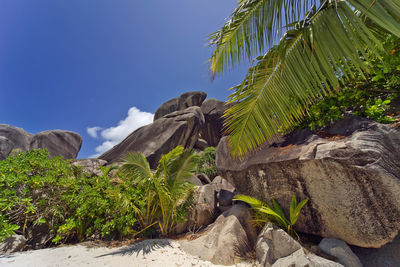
(31, 185)
(207, 162)
(265, 212)
(167, 192)
(314, 48)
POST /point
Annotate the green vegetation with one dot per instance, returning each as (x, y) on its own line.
(311, 55)
(207, 162)
(36, 189)
(370, 97)
(167, 191)
(274, 213)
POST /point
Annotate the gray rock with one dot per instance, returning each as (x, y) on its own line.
(186, 100)
(386, 256)
(19, 137)
(12, 244)
(301, 259)
(221, 183)
(91, 166)
(203, 213)
(274, 243)
(194, 180)
(59, 143)
(225, 238)
(6, 146)
(160, 137)
(339, 249)
(213, 128)
(352, 181)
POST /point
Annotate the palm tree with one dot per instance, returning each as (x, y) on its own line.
(167, 190)
(314, 49)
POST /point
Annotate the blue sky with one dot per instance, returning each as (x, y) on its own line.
(80, 64)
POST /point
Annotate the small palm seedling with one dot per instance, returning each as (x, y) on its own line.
(274, 213)
(168, 193)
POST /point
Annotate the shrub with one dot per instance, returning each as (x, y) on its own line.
(31, 189)
(207, 162)
(368, 96)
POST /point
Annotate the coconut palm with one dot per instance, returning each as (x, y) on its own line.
(167, 190)
(314, 48)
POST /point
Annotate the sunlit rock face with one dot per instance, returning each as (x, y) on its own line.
(350, 172)
(161, 136)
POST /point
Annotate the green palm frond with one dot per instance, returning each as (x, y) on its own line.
(254, 25)
(311, 61)
(136, 165)
(253, 202)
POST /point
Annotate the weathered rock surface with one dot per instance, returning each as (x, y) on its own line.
(301, 259)
(386, 256)
(204, 210)
(6, 146)
(339, 249)
(160, 137)
(91, 166)
(275, 247)
(59, 143)
(213, 128)
(19, 137)
(229, 234)
(12, 244)
(352, 178)
(186, 100)
(273, 243)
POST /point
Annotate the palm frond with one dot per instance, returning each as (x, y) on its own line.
(136, 165)
(253, 202)
(308, 64)
(253, 26)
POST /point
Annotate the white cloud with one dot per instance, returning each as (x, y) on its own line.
(92, 131)
(114, 135)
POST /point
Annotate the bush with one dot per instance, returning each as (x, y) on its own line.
(31, 189)
(207, 162)
(368, 97)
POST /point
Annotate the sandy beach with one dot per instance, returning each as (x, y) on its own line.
(151, 253)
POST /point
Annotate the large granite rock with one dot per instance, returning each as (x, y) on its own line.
(351, 176)
(19, 137)
(6, 146)
(213, 128)
(160, 137)
(225, 238)
(186, 100)
(59, 143)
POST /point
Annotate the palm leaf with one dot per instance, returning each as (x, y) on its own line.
(310, 62)
(253, 25)
(297, 211)
(253, 202)
(135, 164)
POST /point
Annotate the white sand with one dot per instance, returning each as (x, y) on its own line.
(155, 252)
